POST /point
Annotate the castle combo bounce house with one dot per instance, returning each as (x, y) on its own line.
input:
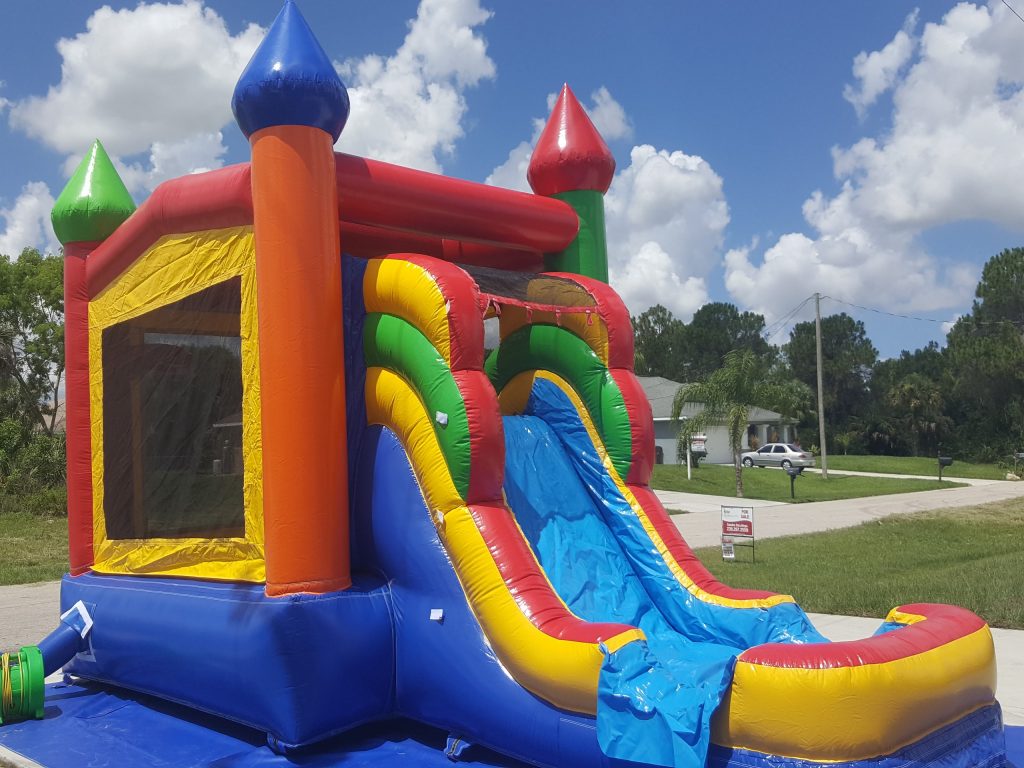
(304, 501)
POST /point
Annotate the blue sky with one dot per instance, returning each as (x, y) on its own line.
(871, 150)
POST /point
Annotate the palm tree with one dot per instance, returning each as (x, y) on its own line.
(727, 396)
(918, 405)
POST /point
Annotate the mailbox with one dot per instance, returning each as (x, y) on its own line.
(794, 473)
(944, 461)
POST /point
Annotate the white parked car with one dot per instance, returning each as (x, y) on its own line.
(778, 455)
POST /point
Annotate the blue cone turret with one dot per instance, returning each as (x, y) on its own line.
(290, 81)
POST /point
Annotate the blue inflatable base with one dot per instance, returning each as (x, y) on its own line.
(88, 724)
(102, 727)
(275, 664)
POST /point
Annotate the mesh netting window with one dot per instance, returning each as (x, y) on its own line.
(172, 423)
(502, 285)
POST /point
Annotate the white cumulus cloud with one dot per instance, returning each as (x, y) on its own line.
(948, 325)
(876, 72)
(153, 81)
(27, 222)
(952, 153)
(408, 108)
(511, 174)
(666, 214)
(159, 72)
(651, 276)
(609, 117)
(169, 159)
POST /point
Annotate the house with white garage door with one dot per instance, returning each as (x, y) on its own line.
(765, 426)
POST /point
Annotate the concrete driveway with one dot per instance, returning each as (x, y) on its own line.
(703, 526)
(27, 613)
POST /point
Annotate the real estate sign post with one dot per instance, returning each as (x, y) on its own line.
(737, 523)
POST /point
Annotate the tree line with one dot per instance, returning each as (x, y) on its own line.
(32, 449)
(966, 397)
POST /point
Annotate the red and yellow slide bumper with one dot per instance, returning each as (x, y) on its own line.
(865, 698)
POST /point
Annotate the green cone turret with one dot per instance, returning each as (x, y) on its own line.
(94, 202)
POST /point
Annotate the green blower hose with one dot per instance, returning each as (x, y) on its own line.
(21, 685)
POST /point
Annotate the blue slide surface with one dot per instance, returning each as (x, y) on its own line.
(685, 680)
(655, 700)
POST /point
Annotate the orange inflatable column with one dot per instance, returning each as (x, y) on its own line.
(292, 106)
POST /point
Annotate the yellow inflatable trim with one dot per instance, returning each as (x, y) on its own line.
(896, 616)
(407, 290)
(859, 712)
(563, 672)
(513, 399)
(175, 267)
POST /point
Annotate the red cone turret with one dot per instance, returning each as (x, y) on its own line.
(570, 154)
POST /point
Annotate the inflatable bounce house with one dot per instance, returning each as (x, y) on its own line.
(303, 496)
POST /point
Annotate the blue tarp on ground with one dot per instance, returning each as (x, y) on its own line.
(101, 728)
(1015, 745)
(106, 728)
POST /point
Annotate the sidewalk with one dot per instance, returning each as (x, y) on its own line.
(27, 613)
(947, 477)
(699, 502)
(703, 527)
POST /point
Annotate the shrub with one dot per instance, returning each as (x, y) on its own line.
(32, 471)
(45, 502)
(40, 463)
(987, 454)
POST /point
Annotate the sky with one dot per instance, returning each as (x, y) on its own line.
(868, 150)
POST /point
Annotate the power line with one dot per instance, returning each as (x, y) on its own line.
(885, 312)
(921, 319)
(1013, 11)
(779, 326)
(781, 322)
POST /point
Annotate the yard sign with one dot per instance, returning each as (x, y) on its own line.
(737, 523)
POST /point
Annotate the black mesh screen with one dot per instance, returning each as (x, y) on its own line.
(529, 288)
(172, 424)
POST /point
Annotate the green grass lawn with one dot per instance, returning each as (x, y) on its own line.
(970, 557)
(773, 484)
(32, 547)
(908, 465)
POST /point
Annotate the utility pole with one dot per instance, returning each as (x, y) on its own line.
(821, 399)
